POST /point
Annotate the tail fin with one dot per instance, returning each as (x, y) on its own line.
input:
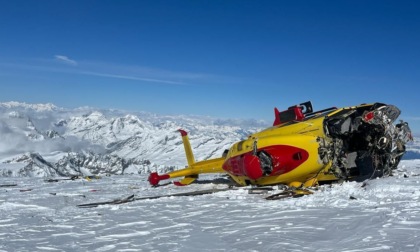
(191, 172)
(187, 147)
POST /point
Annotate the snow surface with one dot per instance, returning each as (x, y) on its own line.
(379, 215)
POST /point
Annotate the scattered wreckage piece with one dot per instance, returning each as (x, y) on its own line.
(133, 198)
(112, 202)
(89, 178)
(290, 193)
(8, 185)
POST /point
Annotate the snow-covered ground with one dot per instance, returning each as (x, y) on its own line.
(380, 215)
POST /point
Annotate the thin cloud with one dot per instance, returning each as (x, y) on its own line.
(127, 77)
(118, 71)
(142, 73)
(65, 60)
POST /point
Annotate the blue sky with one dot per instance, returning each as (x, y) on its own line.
(227, 59)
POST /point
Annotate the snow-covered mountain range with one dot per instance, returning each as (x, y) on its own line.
(46, 140)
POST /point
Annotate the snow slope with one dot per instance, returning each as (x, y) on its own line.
(380, 215)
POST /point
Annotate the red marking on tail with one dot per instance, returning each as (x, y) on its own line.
(183, 132)
(154, 178)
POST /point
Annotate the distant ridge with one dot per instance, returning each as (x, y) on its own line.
(141, 141)
(23, 105)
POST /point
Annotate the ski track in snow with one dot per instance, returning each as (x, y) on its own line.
(384, 216)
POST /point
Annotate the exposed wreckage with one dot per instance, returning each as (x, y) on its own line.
(304, 148)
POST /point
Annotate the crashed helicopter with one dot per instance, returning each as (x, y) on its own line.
(305, 148)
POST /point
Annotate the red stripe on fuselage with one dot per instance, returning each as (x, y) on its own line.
(284, 158)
